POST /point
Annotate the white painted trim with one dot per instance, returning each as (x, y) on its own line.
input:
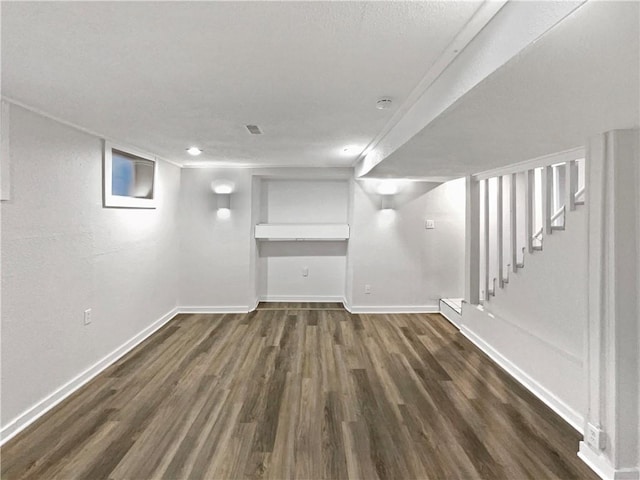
(571, 416)
(302, 231)
(472, 242)
(215, 309)
(73, 125)
(306, 172)
(545, 160)
(450, 314)
(392, 308)
(5, 151)
(30, 415)
(255, 305)
(600, 465)
(301, 298)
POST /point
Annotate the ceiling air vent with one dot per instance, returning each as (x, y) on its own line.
(254, 129)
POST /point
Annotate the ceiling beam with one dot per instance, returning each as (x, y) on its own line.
(496, 33)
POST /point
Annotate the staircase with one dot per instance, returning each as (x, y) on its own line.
(519, 207)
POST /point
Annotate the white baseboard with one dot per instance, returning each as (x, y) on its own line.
(255, 305)
(570, 415)
(392, 308)
(302, 298)
(30, 415)
(450, 314)
(600, 465)
(216, 309)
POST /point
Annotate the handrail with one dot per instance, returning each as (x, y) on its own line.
(554, 158)
(580, 192)
(554, 217)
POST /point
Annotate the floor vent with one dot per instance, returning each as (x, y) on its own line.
(254, 129)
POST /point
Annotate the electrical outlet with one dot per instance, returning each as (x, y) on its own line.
(367, 289)
(87, 316)
(429, 224)
(594, 436)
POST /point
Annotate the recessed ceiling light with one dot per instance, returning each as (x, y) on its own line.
(195, 151)
(384, 103)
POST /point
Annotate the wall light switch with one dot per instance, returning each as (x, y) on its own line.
(87, 316)
(305, 272)
(429, 224)
(367, 289)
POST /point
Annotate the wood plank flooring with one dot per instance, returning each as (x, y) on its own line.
(297, 392)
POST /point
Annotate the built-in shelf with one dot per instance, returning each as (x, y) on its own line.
(302, 231)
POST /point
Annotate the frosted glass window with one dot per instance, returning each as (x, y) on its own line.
(129, 178)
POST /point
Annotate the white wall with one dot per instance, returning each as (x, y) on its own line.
(62, 253)
(325, 263)
(304, 201)
(215, 253)
(538, 320)
(638, 298)
(406, 265)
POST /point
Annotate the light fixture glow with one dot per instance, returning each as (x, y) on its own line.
(387, 188)
(391, 186)
(195, 151)
(223, 213)
(222, 187)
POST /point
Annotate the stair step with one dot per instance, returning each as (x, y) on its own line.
(519, 265)
(579, 202)
(537, 248)
(557, 228)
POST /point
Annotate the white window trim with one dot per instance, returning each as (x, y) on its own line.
(118, 201)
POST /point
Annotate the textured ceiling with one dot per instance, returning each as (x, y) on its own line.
(580, 79)
(167, 75)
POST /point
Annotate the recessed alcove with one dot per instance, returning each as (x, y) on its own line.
(301, 233)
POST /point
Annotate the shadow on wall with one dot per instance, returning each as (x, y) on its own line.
(302, 249)
(402, 191)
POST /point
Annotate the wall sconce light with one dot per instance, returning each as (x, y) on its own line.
(222, 190)
(224, 201)
(387, 202)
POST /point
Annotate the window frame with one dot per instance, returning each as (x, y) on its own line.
(118, 201)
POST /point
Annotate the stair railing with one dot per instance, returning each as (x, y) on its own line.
(559, 213)
(519, 193)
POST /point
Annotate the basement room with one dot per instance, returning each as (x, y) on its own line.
(320, 240)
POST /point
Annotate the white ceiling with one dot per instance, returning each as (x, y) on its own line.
(167, 75)
(580, 79)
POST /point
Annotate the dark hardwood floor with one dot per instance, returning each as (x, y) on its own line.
(293, 391)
